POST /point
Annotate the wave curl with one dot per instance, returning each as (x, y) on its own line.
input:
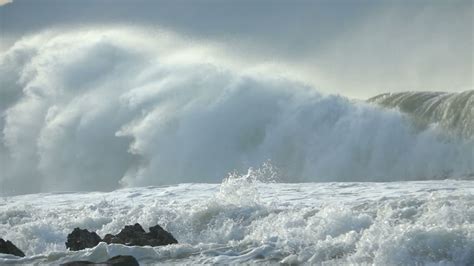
(126, 109)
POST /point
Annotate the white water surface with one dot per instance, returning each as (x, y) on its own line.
(385, 181)
(244, 220)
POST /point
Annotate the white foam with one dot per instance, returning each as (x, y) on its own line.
(125, 108)
(245, 220)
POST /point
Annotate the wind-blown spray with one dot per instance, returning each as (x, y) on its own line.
(127, 109)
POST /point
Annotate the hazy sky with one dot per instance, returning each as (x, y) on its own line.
(355, 48)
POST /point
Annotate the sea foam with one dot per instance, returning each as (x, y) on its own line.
(244, 220)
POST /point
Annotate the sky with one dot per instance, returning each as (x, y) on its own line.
(355, 48)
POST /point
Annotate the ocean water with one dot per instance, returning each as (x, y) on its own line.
(101, 128)
(101, 109)
(244, 220)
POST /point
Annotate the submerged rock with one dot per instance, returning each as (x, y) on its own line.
(7, 247)
(81, 238)
(134, 235)
(116, 261)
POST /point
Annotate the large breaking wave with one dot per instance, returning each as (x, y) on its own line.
(453, 111)
(98, 109)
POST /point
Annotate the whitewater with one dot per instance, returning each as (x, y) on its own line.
(247, 221)
(242, 163)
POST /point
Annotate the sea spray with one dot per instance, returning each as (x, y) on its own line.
(423, 222)
(104, 114)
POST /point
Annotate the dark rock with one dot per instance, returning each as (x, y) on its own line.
(7, 247)
(163, 236)
(122, 261)
(130, 235)
(81, 238)
(79, 263)
(116, 261)
(134, 235)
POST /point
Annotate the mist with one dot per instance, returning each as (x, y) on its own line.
(354, 48)
(97, 95)
(98, 109)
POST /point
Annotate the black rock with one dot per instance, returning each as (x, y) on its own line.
(163, 236)
(79, 263)
(7, 247)
(134, 235)
(81, 238)
(116, 261)
(130, 235)
(122, 261)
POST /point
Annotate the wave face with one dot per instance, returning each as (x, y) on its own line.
(453, 111)
(92, 109)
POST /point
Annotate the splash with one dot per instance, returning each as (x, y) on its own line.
(100, 109)
(429, 222)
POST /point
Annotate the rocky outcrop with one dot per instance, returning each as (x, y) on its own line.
(130, 235)
(116, 261)
(163, 237)
(134, 235)
(81, 239)
(7, 247)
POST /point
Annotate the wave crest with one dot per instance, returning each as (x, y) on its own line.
(453, 111)
(127, 109)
